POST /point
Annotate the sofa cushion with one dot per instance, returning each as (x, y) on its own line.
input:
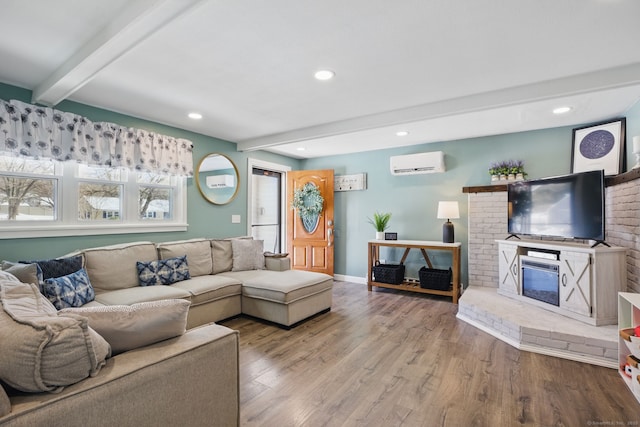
(210, 288)
(282, 286)
(114, 267)
(198, 252)
(247, 254)
(26, 273)
(141, 294)
(72, 290)
(41, 351)
(222, 253)
(126, 327)
(163, 271)
(57, 267)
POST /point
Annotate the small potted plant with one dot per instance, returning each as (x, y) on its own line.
(380, 222)
(512, 169)
(503, 170)
(494, 172)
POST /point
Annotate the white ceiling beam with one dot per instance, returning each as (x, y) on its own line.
(132, 26)
(628, 75)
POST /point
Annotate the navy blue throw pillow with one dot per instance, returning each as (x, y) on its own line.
(58, 267)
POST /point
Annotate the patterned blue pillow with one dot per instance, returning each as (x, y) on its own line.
(58, 267)
(163, 271)
(72, 290)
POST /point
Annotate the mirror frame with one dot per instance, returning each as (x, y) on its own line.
(202, 189)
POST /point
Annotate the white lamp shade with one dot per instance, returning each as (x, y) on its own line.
(636, 144)
(448, 210)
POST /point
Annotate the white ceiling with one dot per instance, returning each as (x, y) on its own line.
(442, 70)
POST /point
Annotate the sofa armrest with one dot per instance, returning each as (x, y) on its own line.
(277, 264)
(192, 379)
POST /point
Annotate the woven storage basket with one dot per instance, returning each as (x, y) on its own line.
(432, 278)
(388, 273)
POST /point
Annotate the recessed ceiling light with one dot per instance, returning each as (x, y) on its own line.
(561, 110)
(300, 148)
(195, 116)
(402, 133)
(324, 74)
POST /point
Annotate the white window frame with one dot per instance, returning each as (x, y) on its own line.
(68, 224)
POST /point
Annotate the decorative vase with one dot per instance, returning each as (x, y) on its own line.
(503, 177)
(511, 177)
(520, 176)
(379, 235)
(495, 178)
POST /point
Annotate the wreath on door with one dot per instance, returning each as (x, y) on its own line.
(308, 201)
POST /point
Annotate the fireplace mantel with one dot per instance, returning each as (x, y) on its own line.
(631, 175)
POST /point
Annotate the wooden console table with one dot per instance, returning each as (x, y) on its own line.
(423, 246)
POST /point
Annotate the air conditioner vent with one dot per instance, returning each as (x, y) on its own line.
(414, 164)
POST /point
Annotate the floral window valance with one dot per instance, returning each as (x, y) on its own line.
(40, 132)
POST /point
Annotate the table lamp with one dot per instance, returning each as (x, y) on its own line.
(448, 210)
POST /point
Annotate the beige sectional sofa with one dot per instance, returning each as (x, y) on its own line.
(222, 283)
(188, 379)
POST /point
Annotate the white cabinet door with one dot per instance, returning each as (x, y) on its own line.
(575, 282)
(508, 269)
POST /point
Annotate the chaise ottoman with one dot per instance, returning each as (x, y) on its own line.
(284, 297)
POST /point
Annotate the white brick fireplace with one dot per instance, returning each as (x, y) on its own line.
(527, 326)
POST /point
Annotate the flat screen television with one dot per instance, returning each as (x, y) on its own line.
(569, 206)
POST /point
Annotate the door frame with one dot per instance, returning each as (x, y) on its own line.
(276, 167)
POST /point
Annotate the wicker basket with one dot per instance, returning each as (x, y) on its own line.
(388, 273)
(432, 278)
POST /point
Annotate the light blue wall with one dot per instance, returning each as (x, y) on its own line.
(412, 200)
(204, 218)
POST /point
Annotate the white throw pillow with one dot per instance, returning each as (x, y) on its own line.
(247, 254)
(126, 327)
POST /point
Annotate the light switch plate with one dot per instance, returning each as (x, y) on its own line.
(350, 182)
(235, 219)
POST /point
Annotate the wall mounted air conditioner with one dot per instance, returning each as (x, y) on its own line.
(413, 164)
(220, 181)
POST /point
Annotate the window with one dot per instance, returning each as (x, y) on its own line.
(41, 198)
(28, 190)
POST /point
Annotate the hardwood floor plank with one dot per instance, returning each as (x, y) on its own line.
(389, 358)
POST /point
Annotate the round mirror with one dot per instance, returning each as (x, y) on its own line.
(217, 178)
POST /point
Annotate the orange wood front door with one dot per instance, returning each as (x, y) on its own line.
(311, 250)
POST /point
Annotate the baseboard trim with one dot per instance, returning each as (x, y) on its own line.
(352, 279)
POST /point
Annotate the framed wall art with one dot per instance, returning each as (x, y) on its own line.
(599, 146)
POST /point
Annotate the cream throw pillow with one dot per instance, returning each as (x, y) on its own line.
(247, 254)
(39, 350)
(126, 327)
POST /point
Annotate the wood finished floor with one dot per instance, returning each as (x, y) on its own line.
(390, 358)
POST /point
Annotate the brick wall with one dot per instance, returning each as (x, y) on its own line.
(488, 222)
(623, 226)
